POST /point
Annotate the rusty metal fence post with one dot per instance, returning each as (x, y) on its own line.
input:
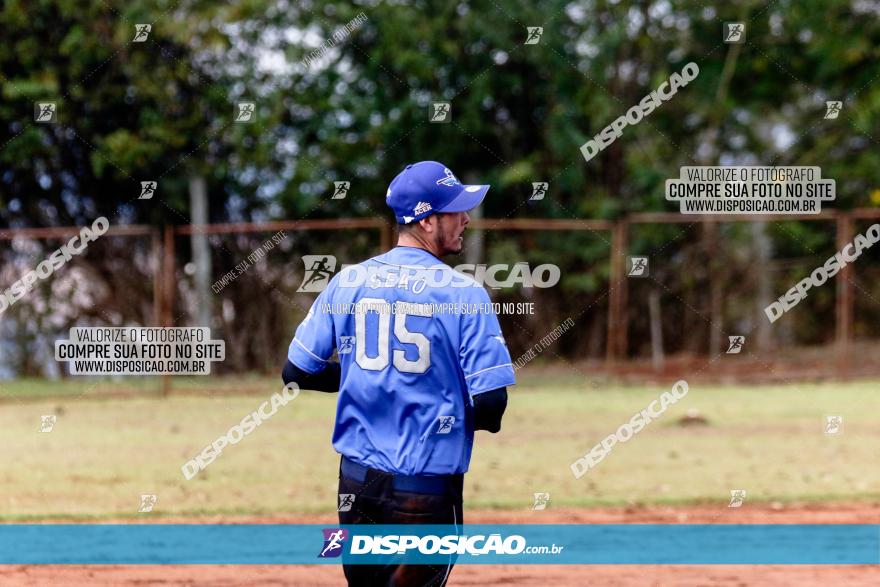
(617, 299)
(158, 276)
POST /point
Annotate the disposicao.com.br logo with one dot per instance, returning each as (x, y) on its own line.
(427, 544)
(319, 270)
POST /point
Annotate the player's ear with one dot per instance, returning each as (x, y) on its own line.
(429, 224)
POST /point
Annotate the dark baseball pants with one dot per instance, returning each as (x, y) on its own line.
(383, 498)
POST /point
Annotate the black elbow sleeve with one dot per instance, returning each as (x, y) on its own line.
(289, 373)
(489, 407)
(326, 380)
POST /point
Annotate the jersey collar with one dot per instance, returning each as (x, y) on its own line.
(412, 256)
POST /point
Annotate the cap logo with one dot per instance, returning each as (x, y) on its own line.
(421, 208)
(450, 180)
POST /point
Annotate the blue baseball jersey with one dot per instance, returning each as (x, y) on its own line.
(416, 341)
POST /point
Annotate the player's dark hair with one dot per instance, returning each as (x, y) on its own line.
(406, 228)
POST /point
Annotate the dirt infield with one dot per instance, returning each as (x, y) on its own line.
(520, 575)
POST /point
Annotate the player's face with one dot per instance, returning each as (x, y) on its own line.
(450, 227)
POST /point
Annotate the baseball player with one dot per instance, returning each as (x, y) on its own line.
(421, 376)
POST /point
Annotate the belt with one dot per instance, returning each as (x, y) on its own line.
(433, 484)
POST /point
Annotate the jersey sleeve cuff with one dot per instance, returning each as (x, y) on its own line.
(490, 378)
(305, 359)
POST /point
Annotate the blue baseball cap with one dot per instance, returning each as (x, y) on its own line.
(428, 187)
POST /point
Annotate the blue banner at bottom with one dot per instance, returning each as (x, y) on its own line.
(264, 544)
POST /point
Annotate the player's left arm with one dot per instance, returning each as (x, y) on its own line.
(486, 363)
(489, 408)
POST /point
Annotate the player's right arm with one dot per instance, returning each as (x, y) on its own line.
(308, 357)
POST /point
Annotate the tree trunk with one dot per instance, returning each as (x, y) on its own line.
(763, 254)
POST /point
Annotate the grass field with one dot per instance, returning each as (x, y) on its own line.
(103, 453)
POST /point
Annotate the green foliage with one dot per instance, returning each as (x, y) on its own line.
(359, 112)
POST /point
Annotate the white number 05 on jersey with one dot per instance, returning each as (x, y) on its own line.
(380, 361)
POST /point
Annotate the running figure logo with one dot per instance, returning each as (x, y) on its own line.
(244, 111)
(148, 188)
(833, 424)
(346, 500)
(47, 423)
(319, 270)
(441, 112)
(832, 109)
(638, 267)
(341, 190)
(445, 426)
(141, 32)
(736, 344)
(333, 539)
(735, 32)
(737, 497)
(45, 112)
(534, 34)
(346, 345)
(541, 500)
(147, 503)
(539, 189)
